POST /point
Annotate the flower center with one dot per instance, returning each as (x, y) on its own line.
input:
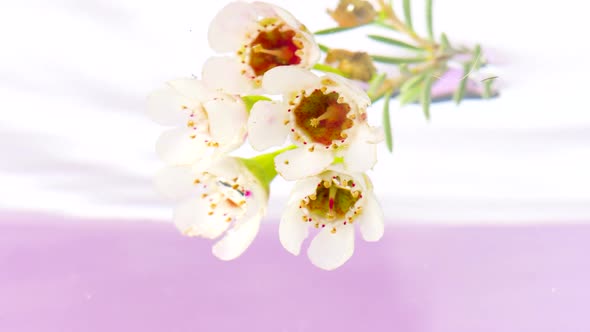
(333, 201)
(273, 48)
(227, 199)
(322, 117)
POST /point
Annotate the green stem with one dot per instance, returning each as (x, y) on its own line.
(393, 84)
(435, 63)
(329, 69)
(253, 99)
(263, 166)
(397, 24)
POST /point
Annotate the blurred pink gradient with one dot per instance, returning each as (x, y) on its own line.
(58, 275)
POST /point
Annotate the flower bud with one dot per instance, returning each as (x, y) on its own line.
(351, 13)
(355, 65)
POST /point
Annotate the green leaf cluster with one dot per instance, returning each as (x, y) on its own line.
(418, 71)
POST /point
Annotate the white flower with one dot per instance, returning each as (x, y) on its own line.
(325, 116)
(333, 202)
(224, 197)
(205, 121)
(261, 36)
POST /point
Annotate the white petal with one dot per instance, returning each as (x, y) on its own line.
(175, 182)
(226, 167)
(376, 135)
(329, 251)
(286, 79)
(237, 239)
(352, 90)
(264, 10)
(266, 127)
(304, 187)
(300, 163)
(228, 29)
(292, 229)
(193, 89)
(311, 51)
(191, 218)
(257, 201)
(371, 219)
(225, 73)
(165, 106)
(361, 154)
(227, 120)
(286, 16)
(176, 147)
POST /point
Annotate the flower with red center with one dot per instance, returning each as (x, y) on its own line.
(206, 121)
(325, 116)
(261, 36)
(333, 201)
(216, 197)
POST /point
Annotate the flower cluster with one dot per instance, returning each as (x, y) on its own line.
(262, 91)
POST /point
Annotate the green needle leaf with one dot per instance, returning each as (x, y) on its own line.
(460, 92)
(408, 14)
(324, 48)
(328, 69)
(468, 67)
(404, 69)
(429, 19)
(489, 78)
(412, 82)
(410, 95)
(387, 123)
(374, 85)
(444, 42)
(334, 30)
(487, 87)
(382, 24)
(425, 98)
(394, 42)
(476, 61)
(395, 60)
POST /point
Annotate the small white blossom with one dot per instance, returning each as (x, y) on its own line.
(216, 198)
(261, 36)
(205, 121)
(325, 116)
(333, 202)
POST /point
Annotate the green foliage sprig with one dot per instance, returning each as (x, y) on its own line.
(433, 57)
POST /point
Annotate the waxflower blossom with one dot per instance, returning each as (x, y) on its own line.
(324, 116)
(261, 36)
(206, 121)
(215, 198)
(333, 201)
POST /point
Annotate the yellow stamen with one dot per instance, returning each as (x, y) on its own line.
(331, 111)
(259, 49)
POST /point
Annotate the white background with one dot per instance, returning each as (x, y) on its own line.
(74, 139)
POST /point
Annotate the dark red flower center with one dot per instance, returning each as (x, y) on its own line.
(273, 48)
(322, 117)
